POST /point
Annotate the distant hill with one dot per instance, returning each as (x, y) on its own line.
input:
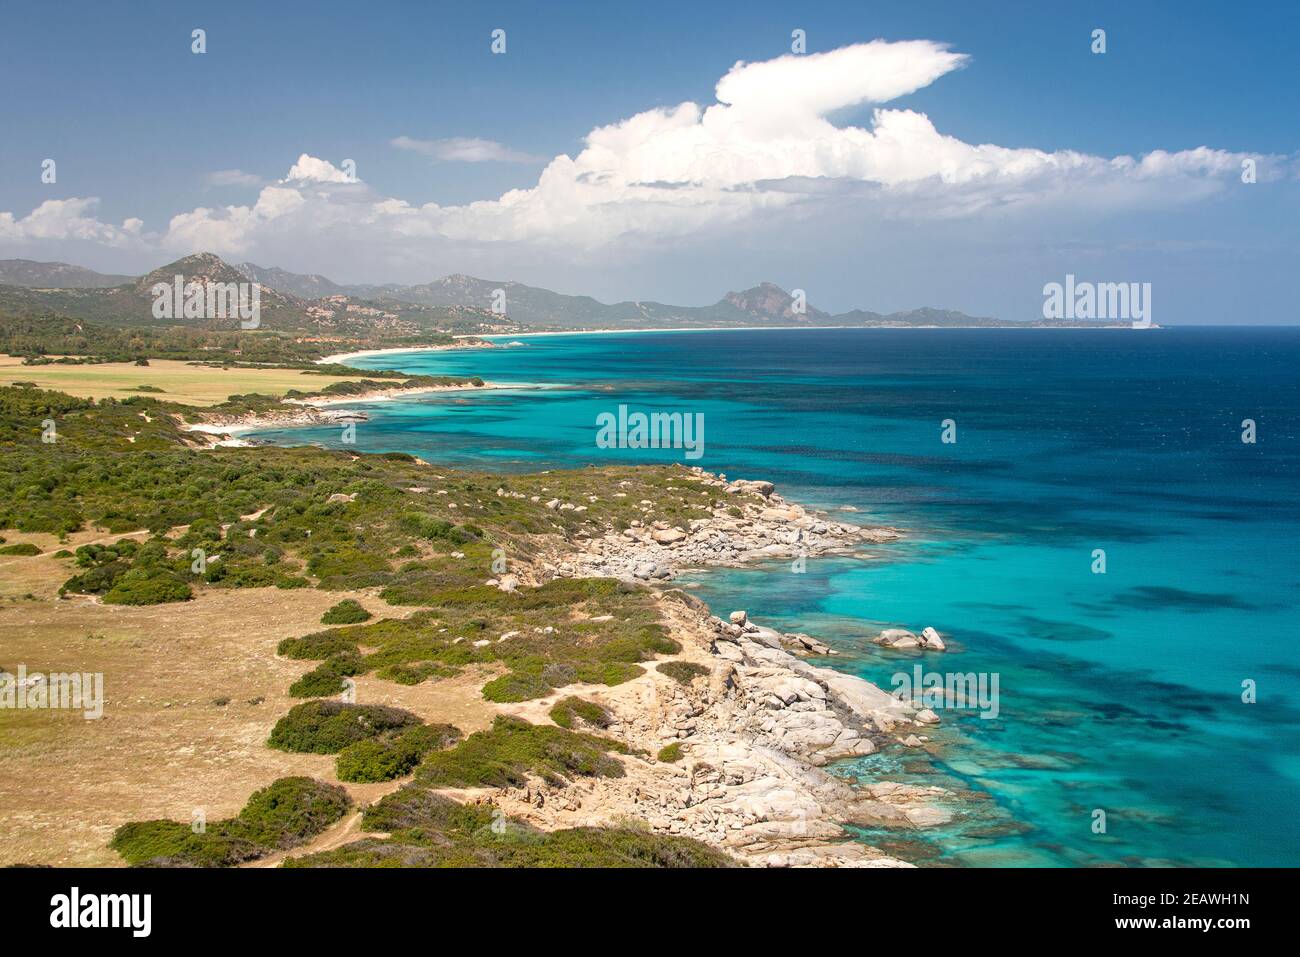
(763, 305)
(311, 303)
(130, 303)
(28, 272)
(309, 286)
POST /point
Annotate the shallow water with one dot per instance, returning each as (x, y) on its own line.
(1119, 692)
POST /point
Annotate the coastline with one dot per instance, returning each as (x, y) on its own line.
(766, 718)
(758, 734)
(314, 411)
(490, 340)
(342, 357)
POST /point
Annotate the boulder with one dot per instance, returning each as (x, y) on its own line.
(668, 536)
(738, 618)
(898, 638)
(932, 640)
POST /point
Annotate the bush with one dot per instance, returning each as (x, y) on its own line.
(566, 710)
(291, 810)
(148, 586)
(346, 612)
(97, 580)
(513, 749)
(327, 727)
(22, 548)
(382, 759)
(327, 677)
(316, 646)
(282, 815)
(429, 830)
(683, 672)
(172, 844)
(671, 753)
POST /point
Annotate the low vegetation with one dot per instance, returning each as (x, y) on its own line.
(565, 711)
(670, 753)
(683, 672)
(393, 754)
(346, 612)
(513, 749)
(327, 727)
(283, 815)
(429, 830)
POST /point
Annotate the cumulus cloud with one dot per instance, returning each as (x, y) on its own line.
(769, 145)
(68, 219)
(462, 149)
(309, 169)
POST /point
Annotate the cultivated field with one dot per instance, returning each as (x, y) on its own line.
(180, 381)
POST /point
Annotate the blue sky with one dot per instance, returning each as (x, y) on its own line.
(113, 93)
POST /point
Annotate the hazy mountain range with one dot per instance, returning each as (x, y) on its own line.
(457, 303)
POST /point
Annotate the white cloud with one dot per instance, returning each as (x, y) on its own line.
(68, 219)
(309, 169)
(462, 149)
(768, 146)
(233, 177)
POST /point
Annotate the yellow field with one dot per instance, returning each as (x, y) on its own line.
(180, 382)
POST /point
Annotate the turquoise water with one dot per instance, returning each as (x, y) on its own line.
(1119, 692)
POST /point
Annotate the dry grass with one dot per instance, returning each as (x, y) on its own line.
(164, 746)
(180, 381)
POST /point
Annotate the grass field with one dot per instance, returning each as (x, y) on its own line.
(191, 693)
(180, 381)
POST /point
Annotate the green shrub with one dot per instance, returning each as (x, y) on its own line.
(291, 810)
(327, 727)
(388, 757)
(96, 580)
(415, 673)
(22, 548)
(316, 646)
(671, 753)
(282, 815)
(327, 677)
(512, 749)
(172, 844)
(413, 808)
(429, 830)
(346, 612)
(148, 586)
(565, 710)
(683, 672)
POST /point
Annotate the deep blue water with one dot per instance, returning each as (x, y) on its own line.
(1119, 692)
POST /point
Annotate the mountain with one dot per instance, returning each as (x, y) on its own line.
(763, 305)
(38, 275)
(310, 286)
(311, 303)
(337, 314)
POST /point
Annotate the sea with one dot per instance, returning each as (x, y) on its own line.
(1107, 522)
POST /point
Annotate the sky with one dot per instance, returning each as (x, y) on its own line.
(954, 155)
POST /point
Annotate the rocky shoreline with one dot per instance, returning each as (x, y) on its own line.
(756, 730)
(755, 524)
(758, 726)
